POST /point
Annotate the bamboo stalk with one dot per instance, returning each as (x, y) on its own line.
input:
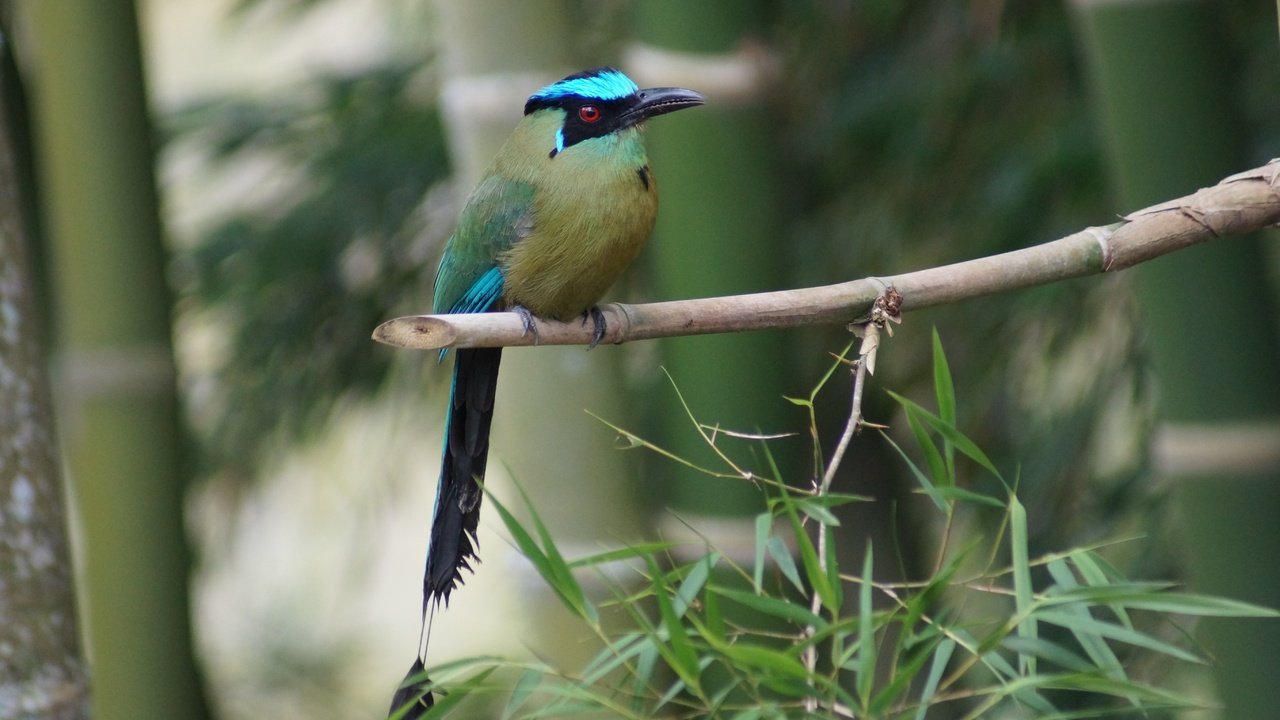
(123, 429)
(42, 670)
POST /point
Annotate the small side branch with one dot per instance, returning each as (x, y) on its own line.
(1237, 205)
(886, 310)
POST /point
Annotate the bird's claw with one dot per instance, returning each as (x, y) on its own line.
(600, 326)
(528, 321)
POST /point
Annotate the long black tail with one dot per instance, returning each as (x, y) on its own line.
(466, 451)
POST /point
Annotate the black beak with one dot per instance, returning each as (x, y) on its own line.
(652, 102)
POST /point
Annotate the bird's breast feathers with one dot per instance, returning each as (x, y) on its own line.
(594, 207)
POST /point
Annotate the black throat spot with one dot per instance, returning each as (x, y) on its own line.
(643, 172)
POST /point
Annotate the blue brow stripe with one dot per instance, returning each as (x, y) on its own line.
(607, 85)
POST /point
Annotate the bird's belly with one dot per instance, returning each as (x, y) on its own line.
(572, 257)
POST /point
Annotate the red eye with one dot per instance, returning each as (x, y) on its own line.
(589, 113)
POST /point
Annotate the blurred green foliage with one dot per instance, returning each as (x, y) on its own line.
(932, 133)
(928, 133)
(294, 282)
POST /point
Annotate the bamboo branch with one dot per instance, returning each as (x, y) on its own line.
(1237, 205)
(864, 363)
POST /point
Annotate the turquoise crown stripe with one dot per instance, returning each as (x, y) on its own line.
(603, 84)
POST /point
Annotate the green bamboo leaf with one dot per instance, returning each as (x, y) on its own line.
(921, 602)
(1094, 683)
(1023, 594)
(818, 511)
(1092, 573)
(959, 493)
(646, 663)
(1024, 691)
(1164, 602)
(781, 555)
(1094, 646)
(835, 499)
(954, 436)
(1101, 713)
(945, 391)
(448, 702)
(833, 571)
(677, 688)
(1047, 650)
(1012, 683)
(1061, 574)
(566, 707)
(764, 523)
(520, 692)
(766, 659)
(813, 570)
(1087, 624)
(693, 582)
(941, 656)
(556, 561)
(614, 655)
(866, 634)
(943, 473)
(776, 607)
(550, 565)
(679, 653)
(569, 698)
(1095, 575)
(904, 675)
(993, 660)
(524, 541)
(715, 627)
(942, 384)
(548, 544)
(836, 364)
(1095, 569)
(624, 553)
(925, 483)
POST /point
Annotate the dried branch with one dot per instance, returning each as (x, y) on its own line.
(864, 364)
(1237, 205)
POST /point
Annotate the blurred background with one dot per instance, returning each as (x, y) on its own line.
(234, 193)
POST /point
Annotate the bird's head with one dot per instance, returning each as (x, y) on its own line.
(598, 102)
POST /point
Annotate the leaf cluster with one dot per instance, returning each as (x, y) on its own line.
(707, 636)
(291, 281)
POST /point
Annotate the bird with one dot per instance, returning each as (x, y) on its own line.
(566, 205)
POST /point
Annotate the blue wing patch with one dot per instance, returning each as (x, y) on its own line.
(482, 294)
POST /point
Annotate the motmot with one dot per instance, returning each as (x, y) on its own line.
(566, 205)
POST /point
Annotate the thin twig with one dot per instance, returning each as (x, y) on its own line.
(855, 417)
(866, 360)
(1240, 204)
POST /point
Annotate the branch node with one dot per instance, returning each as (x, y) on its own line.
(624, 319)
(1102, 236)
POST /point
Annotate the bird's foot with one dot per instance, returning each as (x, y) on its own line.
(527, 319)
(600, 326)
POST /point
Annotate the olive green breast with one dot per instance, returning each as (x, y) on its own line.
(594, 206)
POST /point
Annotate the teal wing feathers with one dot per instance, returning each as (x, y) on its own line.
(498, 215)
